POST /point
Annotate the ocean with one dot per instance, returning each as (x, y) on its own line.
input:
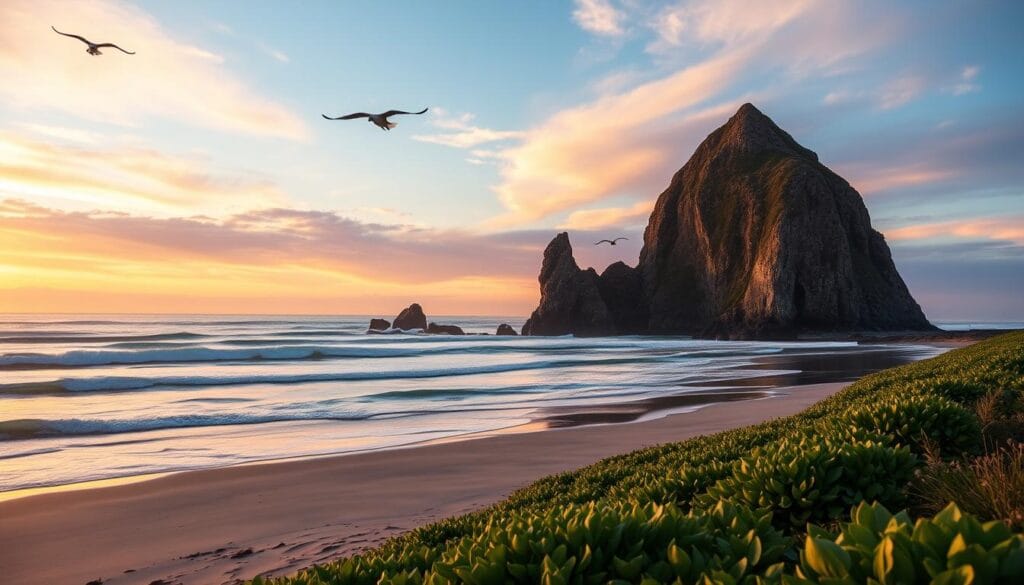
(94, 397)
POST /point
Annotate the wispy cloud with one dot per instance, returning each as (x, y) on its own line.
(905, 88)
(1004, 229)
(87, 173)
(890, 95)
(62, 133)
(193, 85)
(874, 178)
(921, 164)
(609, 147)
(900, 91)
(394, 252)
(276, 54)
(222, 28)
(593, 219)
(628, 140)
(600, 17)
(460, 131)
(967, 82)
(721, 21)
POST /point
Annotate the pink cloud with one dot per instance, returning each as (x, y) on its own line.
(722, 21)
(394, 253)
(900, 91)
(1005, 229)
(599, 17)
(870, 178)
(265, 260)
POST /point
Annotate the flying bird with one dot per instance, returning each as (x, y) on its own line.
(94, 48)
(381, 120)
(612, 242)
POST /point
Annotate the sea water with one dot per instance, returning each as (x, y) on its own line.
(92, 397)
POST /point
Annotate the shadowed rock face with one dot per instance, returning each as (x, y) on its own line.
(570, 301)
(411, 318)
(505, 329)
(379, 324)
(755, 237)
(622, 291)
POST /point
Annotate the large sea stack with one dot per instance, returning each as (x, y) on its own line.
(754, 237)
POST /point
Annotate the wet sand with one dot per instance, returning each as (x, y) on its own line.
(223, 525)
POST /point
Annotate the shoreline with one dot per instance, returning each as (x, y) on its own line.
(552, 419)
(758, 375)
(278, 517)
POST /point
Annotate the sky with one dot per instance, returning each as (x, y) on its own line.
(198, 176)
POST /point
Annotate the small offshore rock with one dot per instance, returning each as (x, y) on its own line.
(411, 318)
(436, 329)
(379, 325)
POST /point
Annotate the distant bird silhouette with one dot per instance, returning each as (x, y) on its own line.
(94, 48)
(612, 242)
(381, 120)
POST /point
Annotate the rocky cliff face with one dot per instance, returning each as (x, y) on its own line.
(570, 300)
(622, 292)
(754, 237)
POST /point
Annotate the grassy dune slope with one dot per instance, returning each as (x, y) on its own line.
(800, 499)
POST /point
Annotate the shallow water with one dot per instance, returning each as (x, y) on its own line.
(96, 397)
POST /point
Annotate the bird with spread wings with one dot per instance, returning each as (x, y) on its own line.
(612, 242)
(93, 48)
(381, 120)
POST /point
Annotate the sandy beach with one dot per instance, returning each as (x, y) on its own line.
(222, 525)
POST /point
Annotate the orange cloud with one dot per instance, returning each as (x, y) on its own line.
(44, 71)
(127, 178)
(629, 140)
(265, 260)
(595, 151)
(1006, 229)
(592, 219)
(869, 179)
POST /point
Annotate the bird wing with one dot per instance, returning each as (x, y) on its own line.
(601, 242)
(623, 238)
(348, 117)
(83, 39)
(395, 112)
(103, 45)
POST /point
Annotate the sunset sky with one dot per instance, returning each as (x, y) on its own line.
(198, 175)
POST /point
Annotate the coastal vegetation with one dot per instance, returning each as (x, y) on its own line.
(910, 475)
